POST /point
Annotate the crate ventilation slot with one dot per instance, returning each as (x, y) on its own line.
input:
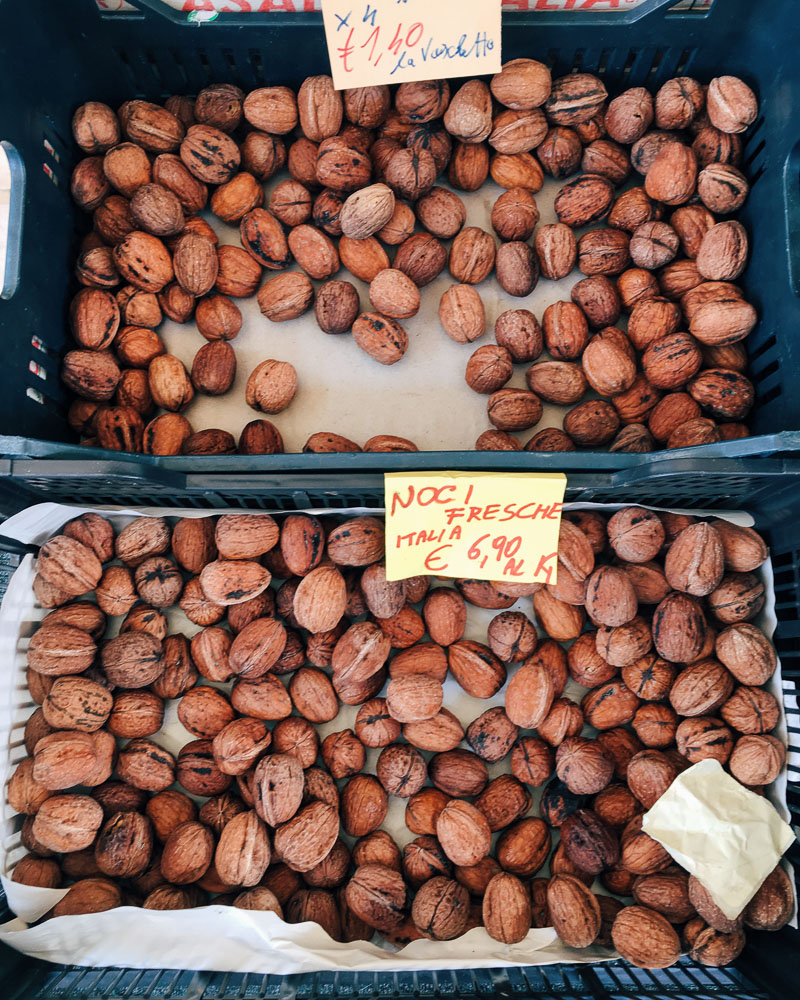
(201, 55)
(754, 159)
(174, 55)
(34, 394)
(627, 69)
(256, 65)
(683, 62)
(127, 72)
(39, 345)
(231, 60)
(57, 156)
(768, 345)
(770, 394)
(651, 73)
(764, 373)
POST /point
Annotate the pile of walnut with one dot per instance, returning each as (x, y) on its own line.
(363, 165)
(674, 673)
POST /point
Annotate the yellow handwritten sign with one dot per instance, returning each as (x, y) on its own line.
(478, 525)
(393, 41)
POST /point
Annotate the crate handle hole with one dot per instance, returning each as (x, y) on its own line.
(791, 182)
(12, 200)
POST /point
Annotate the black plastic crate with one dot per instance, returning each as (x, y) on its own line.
(57, 55)
(764, 970)
(49, 63)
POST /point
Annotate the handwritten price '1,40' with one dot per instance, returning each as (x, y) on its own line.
(406, 45)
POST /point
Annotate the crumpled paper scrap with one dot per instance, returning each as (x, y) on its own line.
(728, 837)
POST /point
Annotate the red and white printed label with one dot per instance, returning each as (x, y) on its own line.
(311, 6)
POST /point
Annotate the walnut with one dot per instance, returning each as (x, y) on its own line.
(574, 911)
(522, 84)
(714, 146)
(319, 108)
(422, 101)
(757, 759)
(461, 313)
(616, 805)
(609, 705)
(469, 113)
(632, 209)
(630, 115)
(732, 105)
(112, 217)
(672, 175)
(702, 738)
(514, 215)
(127, 168)
(739, 597)
(574, 98)
(645, 938)
(517, 131)
(271, 109)
(584, 200)
(677, 103)
(653, 319)
(341, 166)
(472, 256)
(410, 174)
(598, 299)
(363, 258)
(366, 211)
(337, 306)
(378, 895)
(517, 268)
(422, 257)
(723, 252)
(157, 210)
(463, 832)
(609, 362)
(95, 127)
(413, 698)
(493, 440)
(592, 423)
(326, 211)
(653, 244)
(363, 805)
(771, 907)
(514, 409)
(560, 152)
(744, 549)
(550, 439)
(606, 158)
(589, 842)
(583, 765)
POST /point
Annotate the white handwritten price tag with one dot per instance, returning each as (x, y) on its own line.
(392, 41)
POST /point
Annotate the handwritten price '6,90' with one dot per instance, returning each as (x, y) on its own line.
(404, 44)
(502, 550)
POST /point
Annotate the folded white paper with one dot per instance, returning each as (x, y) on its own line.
(722, 833)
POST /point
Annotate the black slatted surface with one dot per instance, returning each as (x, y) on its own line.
(612, 981)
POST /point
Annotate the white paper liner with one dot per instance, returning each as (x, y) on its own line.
(423, 397)
(222, 938)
